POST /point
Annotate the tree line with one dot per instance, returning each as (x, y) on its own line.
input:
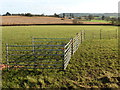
(114, 20)
(29, 14)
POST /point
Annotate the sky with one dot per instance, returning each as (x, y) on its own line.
(49, 7)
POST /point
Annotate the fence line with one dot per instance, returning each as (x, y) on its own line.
(55, 53)
(42, 50)
(72, 47)
(18, 58)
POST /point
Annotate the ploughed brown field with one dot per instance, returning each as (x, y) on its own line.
(12, 20)
(24, 20)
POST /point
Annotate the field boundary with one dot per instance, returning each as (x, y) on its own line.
(57, 24)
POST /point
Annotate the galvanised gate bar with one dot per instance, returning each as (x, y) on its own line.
(44, 53)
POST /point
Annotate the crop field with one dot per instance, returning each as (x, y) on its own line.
(94, 65)
(22, 20)
(18, 20)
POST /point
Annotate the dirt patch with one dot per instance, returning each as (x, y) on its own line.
(3, 66)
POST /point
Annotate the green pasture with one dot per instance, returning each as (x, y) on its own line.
(94, 65)
(101, 21)
(24, 34)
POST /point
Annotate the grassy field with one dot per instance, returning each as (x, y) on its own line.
(94, 65)
(100, 21)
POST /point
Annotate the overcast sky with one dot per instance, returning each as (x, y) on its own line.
(58, 6)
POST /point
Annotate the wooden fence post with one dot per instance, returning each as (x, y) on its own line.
(7, 53)
(33, 45)
(100, 34)
(71, 46)
(116, 34)
(81, 36)
(77, 36)
(84, 34)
